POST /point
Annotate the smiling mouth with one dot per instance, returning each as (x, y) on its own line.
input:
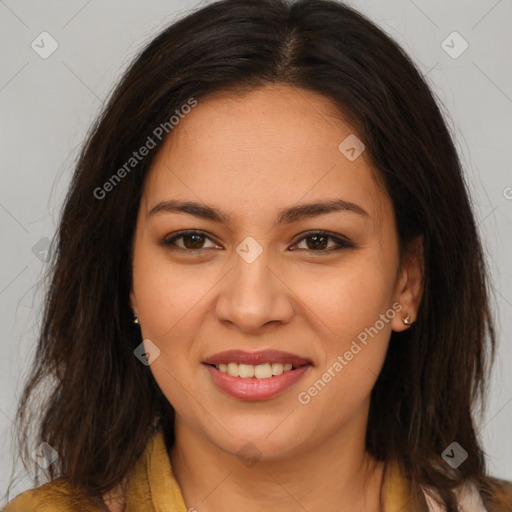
(259, 371)
(256, 376)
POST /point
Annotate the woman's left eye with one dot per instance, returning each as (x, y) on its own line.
(320, 242)
(316, 241)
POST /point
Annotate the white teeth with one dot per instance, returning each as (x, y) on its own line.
(232, 369)
(277, 368)
(245, 370)
(263, 371)
(260, 371)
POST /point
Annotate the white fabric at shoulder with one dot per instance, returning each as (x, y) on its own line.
(469, 500)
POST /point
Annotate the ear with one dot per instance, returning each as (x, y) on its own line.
(133, 303)
(409, 289)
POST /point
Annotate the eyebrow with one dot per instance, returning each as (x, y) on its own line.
(286, 216)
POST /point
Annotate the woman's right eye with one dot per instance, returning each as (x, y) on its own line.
(191, 241)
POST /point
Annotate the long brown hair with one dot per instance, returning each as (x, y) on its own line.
(103, 404)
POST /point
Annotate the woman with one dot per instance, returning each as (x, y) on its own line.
(268, 289)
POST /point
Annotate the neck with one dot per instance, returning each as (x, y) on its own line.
(335, 475)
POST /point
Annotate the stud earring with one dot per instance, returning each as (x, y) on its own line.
(135, 319)
(407, 319)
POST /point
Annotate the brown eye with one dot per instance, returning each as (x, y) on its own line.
(318, 241)
(193, 241)
(190, 240)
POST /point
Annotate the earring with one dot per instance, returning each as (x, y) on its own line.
(407, 319)
(135, 319)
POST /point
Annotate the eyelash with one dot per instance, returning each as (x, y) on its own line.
(342, 243)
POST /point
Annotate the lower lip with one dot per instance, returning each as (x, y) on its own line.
(256, 389)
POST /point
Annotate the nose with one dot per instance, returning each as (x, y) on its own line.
(255, 296)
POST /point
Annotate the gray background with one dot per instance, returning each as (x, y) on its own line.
(48, 104)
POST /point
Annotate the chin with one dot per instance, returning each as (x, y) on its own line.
(258, 441)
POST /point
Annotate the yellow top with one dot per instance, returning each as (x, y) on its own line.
(153, 488)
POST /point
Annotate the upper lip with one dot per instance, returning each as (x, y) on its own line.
(255, 358)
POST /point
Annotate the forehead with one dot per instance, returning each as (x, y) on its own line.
(273, 146)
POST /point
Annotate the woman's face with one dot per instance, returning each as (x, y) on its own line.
(260, 280)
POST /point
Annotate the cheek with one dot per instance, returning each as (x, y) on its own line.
(169, 302)
(352, 356)
(349, 299)
(354, 311)
(172, 300)
(167, 294)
